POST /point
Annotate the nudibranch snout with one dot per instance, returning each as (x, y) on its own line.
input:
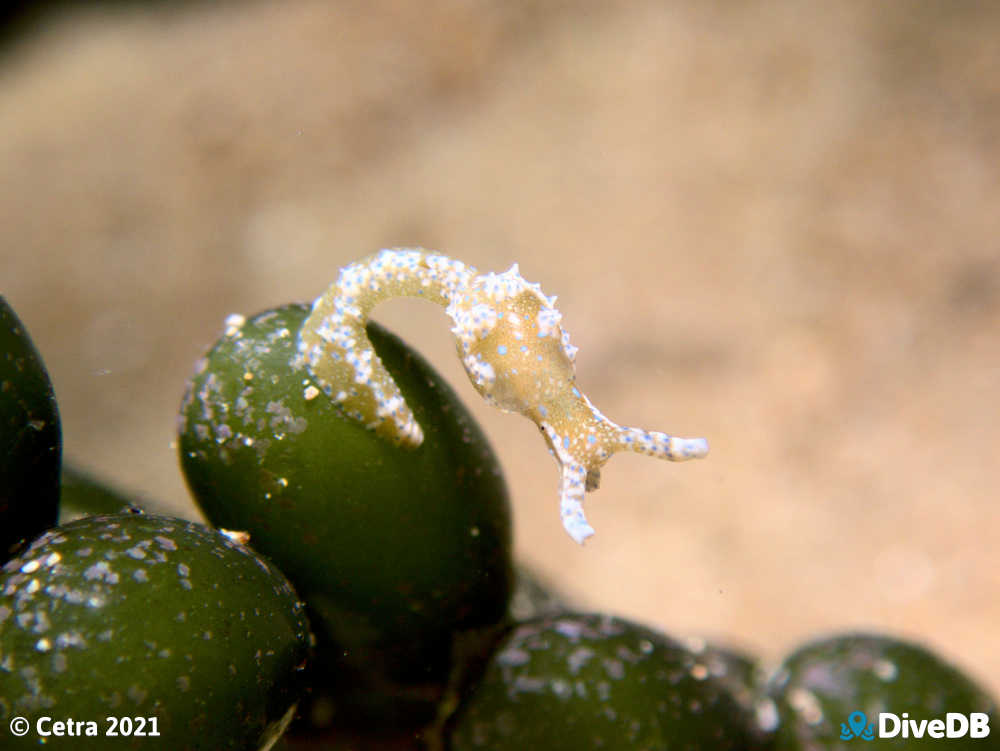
(514, 349)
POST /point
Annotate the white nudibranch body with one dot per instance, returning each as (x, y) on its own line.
(512, 344)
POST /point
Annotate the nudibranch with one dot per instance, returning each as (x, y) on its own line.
(514, 349)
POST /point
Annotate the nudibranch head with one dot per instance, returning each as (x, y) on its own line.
(511, 341)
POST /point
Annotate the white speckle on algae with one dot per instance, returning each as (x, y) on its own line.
(699, 672)
(42, 623)
(572, 630)
(767, 716)
(885, 670)
(101, 571)
(561, 688)
(528, 684)
(627, 655)
(59, 662)
(234, 322)
(137, 694)
(614, 668)
(140, 575)
(513, 657)
(71, 639)
(234, 535)
(77, 596)
(578, 658)
(603, 690)
(165, 543)
(806, 704)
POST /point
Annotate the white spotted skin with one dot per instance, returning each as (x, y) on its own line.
(511, 341)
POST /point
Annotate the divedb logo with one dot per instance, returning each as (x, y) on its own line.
(890, 725)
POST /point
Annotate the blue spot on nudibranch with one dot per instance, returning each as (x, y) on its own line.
(502, 349)
(591, 438)
(542, 410)
(566, 442)
(576, 392)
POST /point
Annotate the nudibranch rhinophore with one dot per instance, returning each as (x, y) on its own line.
(513, 347)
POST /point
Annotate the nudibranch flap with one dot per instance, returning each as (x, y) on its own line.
(510, 339)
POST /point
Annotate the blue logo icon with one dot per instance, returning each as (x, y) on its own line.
(857, 727)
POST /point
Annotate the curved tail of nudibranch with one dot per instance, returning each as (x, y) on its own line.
(514, 349)
(335, 347)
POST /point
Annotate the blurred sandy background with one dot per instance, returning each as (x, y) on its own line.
(774, 224)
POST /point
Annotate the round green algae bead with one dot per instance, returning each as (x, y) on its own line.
(580, 682)
(30, 438)
(820, 685)
(403, 556)
(151, 617)
(745, 678)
